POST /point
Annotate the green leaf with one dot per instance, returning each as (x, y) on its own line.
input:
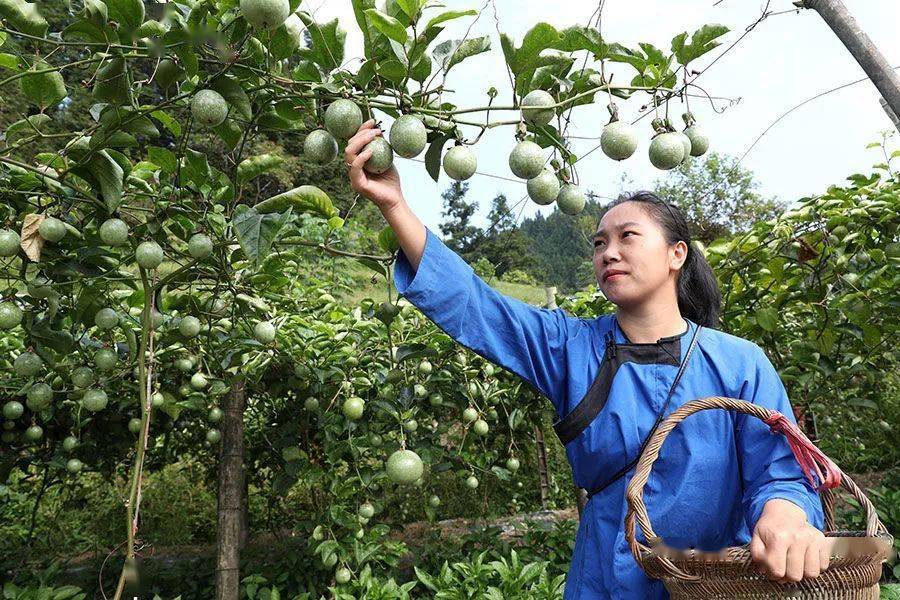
(257, 232)
(359, 10)
(255, 166)
(703, 40)
(234, 94)
(469, 48)
(11, 62)
(45, 88)
(387, 240)
(128, 13)
(375, 265)
(24, 17)
(303, 199)
(168, 121)
(163, 158)
(449, 15)
(26, 127)
(434, 154)
(111, 84)
(230, 133)
(411, 351)
(105, 175)
(767, 318)
(196, 168)
(327, 43)
(388, 25)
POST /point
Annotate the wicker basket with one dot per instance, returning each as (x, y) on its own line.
(853, 571)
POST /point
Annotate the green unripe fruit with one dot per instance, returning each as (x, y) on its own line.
(404, 466)
(480, 427)
(534, 107)
(34, 433)
(27, 364)
(52, 229)
(209, 108)
(189, 327)
(200, 246)
(699, 141)
(360, 533)
(342, 575)
(884, 425)
(105, 359)
(526, 160)
(265, 14)
(472, 482)
(94, 400)
(185, 390)
(570, 199)
(619, 140)
(544, 188)
(488, 370)
(686, 144)
(199, 381)
(167, 73)
(366, 510)
(215, 415)
(420, 391)
(106, 318)
(149, 255)
(353, 408)
(408, 136)
(434, 501)
(311, 404)
(10, 315)
(459, 163)
(469, 415)
(473, 389)
(213, 436)
(382, 156)
(375, 440)
(114, 232)
(320, 147)
(411, 426)
(39, 397)
(13, 410)
(264, 332)
(157, 400)
(184, 364)
(9, 242)
(73, 465)
(666, 151)
(435, 400)
(69, 443)
(512, 464)
(343, 118)
(134, 425)
(425, 367)
(492, 414)
(40, 288)
(330, 561)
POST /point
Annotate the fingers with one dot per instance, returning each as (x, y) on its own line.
(358, 178)
(825, 553)
(795, 560)
(365, 134)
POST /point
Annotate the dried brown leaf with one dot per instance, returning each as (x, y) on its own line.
(32, 242)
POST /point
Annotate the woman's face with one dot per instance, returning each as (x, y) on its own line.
(632, 260)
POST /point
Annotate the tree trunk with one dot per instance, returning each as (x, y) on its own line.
(542, 465)
(873, 62)
(231, 494)
(245, 513)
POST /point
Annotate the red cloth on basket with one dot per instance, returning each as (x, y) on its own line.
(810, 458)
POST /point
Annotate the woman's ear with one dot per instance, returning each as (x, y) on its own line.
(678, 255)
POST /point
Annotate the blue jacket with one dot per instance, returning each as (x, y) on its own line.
(716, 469)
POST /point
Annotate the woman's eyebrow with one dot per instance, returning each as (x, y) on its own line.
(602, 232)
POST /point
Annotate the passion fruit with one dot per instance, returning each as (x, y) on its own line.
(320, 147)
(619, 140)
(265, 14)
(526, 160)
(408, 136)
(459, 163)
(114, 232)
(52, 229)
(699, 140)
(10, 315)
(200, 246)
(209, 107)
(9, 242)
(570, 199)
(27, 364)
(666, 151)
(544, 188)
(149, 255)
(535, 107)
(94, 400)
(404, 466)
(343, 118)
(382, 156)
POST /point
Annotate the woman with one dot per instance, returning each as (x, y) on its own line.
(722, 479)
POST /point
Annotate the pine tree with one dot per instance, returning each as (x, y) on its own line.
(459, 233)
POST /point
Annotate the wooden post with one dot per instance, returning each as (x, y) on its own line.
(231, 494)
(542, 465)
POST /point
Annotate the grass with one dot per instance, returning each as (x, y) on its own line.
(364, 288)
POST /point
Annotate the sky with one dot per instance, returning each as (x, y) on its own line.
(786, 59)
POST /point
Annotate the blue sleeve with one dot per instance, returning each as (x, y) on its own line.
(529, 341)
(769, 469)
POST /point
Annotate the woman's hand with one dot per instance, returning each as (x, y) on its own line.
(384, 189)
(785, 546)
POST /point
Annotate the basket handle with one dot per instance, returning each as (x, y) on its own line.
(807, 454)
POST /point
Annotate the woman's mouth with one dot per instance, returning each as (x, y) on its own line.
(613, 276)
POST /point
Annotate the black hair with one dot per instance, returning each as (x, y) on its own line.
(699, 297)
